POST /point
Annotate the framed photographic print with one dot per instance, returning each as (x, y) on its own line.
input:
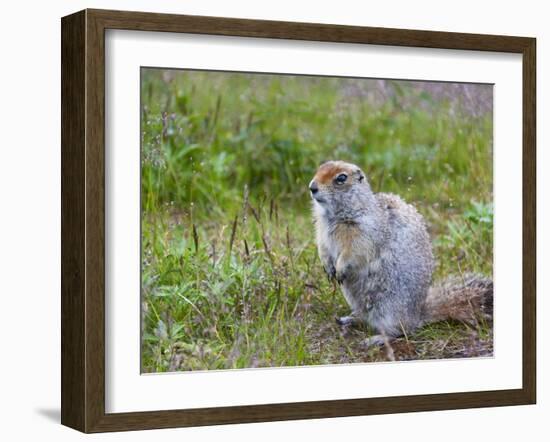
(269, 220)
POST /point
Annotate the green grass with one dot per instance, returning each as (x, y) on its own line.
(230, 273)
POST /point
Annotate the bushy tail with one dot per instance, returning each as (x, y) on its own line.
(467, 298)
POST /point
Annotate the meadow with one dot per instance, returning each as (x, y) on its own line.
(230, 273)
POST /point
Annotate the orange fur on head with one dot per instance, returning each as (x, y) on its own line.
(331, 169)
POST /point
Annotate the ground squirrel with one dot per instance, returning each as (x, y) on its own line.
(378, 248)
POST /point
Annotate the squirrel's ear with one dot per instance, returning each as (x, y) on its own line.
(360, 175)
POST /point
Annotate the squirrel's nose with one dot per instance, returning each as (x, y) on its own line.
(313, 187)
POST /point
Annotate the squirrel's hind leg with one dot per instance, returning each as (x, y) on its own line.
(380, 340)
(375, 341)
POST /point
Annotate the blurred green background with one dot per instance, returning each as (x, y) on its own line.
(230, 274)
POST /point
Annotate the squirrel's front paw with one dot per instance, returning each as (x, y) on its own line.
(340, 275)
(343, 270)
(330, 270)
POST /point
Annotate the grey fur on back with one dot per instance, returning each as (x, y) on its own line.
(380, 246)
(397, 281)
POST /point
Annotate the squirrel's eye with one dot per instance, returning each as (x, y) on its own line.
(341, 179)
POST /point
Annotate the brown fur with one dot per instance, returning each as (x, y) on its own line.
(354, 247)
(467, 298)
(328, 171)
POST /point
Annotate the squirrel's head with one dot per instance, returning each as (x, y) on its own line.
(338, 187)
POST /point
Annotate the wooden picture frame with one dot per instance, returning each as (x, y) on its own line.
(83, 220)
